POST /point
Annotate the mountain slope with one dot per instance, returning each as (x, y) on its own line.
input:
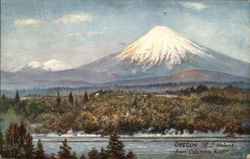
(163, 52)
(158, 46)
(188, 76)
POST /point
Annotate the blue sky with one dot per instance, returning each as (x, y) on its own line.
(78, 32)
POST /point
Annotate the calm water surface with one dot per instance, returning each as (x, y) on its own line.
(159, 148)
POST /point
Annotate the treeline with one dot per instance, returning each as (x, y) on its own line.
(125, 87)
(17, 143)
(189, 91)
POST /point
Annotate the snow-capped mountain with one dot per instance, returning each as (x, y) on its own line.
(159, 46)
(159, 53)
(48, 66)
(31, 66)
(55, 65)
(163, 52)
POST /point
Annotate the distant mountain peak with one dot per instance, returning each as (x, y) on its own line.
(31, 67)
(52, 61)
(34, 64)
(55, 65)
(48, 66)
(160, 45)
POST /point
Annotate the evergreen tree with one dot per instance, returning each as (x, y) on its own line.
(65, 151)
(71, 100)
(115, 147)
(3, 97)
(8, 134)
(77, 103)
(13, 147)
(22, 133)
(74, 155)
(85, 97)
(135, 102)
(29, 147)
(17, 143)
(131, 155)
(83, 157)
(12, 134)
(52, 156)
(16, 137)
(58, 98)
(23, 141)
(192, 90)
(201, 88)
(93, 154)
(39, 152)
(103, 154)
(17, 97)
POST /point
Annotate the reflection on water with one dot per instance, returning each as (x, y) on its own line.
(161, 149)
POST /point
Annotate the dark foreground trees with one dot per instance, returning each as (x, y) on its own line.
(17, 97)
(115, 147)
(71, 99)
(114, 150)
(65, 151)
(17, 143)
(39, 152)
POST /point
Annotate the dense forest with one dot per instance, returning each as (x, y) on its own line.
(103, 112)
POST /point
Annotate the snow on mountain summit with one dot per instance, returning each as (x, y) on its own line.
(31, 66)
(34, 64)
(51, 65)
(55, 65)
(160, 45)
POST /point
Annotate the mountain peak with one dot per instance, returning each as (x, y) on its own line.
(50, 65)
(34, 64)
(160, 45)
(55, 65)
(161, 29)
(52, 60)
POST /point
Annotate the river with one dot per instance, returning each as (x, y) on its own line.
(159, 147)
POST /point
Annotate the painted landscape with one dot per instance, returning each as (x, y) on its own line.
(159, 86)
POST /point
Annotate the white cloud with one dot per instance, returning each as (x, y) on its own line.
(74, 18)
(27, 22)
(67, 19)
(193, 5)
